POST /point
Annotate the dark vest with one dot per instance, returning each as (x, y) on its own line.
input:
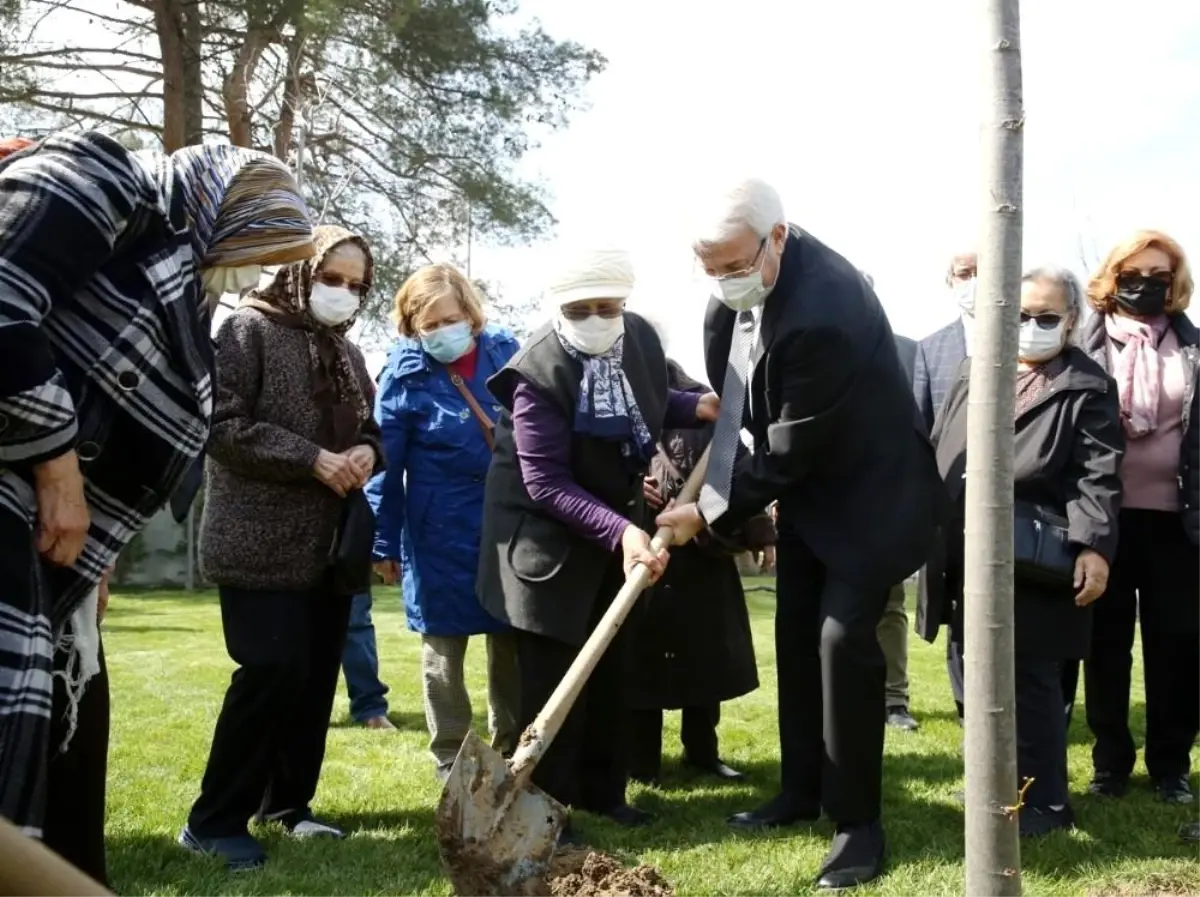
(535, 572)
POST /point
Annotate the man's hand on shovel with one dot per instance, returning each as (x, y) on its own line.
(684, 520)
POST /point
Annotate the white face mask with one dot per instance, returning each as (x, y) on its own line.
(964, 295)
(219, 281)
(593, 335)
(1038, 344)
(332, 305)
(743, 293)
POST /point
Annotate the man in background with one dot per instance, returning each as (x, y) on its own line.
(893, 626)
(938, 358)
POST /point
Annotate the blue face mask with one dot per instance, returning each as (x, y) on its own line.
(448, 343)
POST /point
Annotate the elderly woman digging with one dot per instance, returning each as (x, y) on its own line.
(293, 435)
(587, 400)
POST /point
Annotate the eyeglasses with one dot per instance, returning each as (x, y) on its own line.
(581, 311)
(337, 281)
(1133, 279)
(750, 268)
(1047, 320)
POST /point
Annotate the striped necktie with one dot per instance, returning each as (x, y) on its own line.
(714, 496)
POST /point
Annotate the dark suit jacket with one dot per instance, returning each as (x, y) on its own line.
(939, 356)
(1066, 453)
(907, 350)
(837, 438)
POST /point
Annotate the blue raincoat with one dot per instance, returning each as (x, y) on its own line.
(428, 502)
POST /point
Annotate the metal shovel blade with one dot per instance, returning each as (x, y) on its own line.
(496, 834)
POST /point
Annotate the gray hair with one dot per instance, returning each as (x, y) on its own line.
(1066, 281)
(752, 204)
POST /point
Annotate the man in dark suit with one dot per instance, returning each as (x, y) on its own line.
(938, 358)
(893, 626)
(837, 441)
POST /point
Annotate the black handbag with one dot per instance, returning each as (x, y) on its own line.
(1042, 551)
(353, 541)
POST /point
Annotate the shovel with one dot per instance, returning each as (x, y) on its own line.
(28, 867)
(496, 830)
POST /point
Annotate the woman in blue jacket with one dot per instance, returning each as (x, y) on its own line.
(436, 415)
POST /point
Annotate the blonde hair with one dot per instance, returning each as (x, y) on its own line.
(425, 287)
(1104, 282)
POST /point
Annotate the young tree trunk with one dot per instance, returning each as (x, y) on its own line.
(993, 858)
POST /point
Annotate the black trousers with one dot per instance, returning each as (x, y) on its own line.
(1041, 730)
(1155, 577)
(77, 778)
(698, 734)
(831, 687)
(954, 667)
(269, 742)
(585, 766)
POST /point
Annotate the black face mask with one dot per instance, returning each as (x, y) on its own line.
(1140, 295)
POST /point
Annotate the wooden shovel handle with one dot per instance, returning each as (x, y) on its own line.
(541, 732)
(28, 867)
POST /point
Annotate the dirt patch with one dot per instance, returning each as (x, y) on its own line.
(1156, 884)
(578, 872)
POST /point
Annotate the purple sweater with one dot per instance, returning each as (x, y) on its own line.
(543, 440)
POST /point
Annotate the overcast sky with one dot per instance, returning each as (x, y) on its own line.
(865, 115)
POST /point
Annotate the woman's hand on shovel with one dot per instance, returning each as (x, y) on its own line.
(635, 545)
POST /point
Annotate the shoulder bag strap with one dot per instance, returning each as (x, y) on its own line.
(485, 422)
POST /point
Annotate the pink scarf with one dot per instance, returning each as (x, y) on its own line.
(1137, 370)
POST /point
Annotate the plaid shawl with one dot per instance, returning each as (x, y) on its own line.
(105, 348)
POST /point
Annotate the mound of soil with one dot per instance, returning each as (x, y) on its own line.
(578, 872)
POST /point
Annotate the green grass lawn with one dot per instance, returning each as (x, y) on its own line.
(169, 672)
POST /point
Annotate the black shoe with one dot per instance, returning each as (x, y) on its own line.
(855, 857)
(1190, 832)
(715, 768)
(898, 717)
(1034, 822)
(1173, 790)
(778, 811)
(623, 814)
(241, 853)
(1106, 784)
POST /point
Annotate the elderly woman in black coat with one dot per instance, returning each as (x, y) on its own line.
(690, 635)
(1067, 452)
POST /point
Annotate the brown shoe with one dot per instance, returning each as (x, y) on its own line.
(379, 722)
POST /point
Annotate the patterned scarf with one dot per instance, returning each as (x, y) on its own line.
(244, 207)
(1137, 369)
(607, 408)
(336, 388)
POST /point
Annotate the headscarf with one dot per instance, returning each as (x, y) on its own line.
(607, 407)
(243, 206)
(336, 387)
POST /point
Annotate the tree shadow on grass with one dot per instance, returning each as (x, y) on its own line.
(389, 853)
(692, 810)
